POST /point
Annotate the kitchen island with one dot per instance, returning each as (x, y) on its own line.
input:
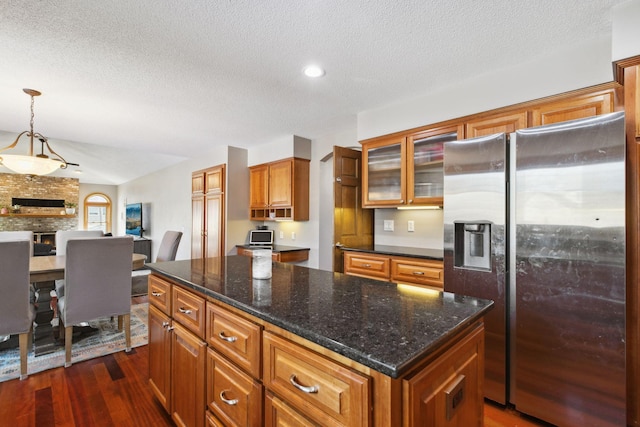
(310, 346)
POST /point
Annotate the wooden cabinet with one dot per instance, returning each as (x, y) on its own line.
(487, 125)
(367, 265)
(279, 190)
(233, 397)
(279, 414)
(397, 269)
(323, 390)
(448, 392)
(406, 170)
(253, 373)
(286, 256)
(579, 107)
(234, 368)
(207, 212)
(160, 356)
(188, 357)
(238, 339)
(176, 356)
(417, 271)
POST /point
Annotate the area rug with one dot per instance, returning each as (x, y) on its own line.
(106, 341)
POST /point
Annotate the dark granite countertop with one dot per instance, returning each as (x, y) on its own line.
(377, 324)
(274, 248)
(426, 253)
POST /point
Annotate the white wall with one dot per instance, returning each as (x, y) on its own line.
(168, 192)
(626, 30)
(559, 71)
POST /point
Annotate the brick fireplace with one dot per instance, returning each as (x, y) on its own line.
(43, 221)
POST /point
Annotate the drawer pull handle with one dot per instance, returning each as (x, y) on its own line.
(230, 402)
(157, 294)
(185, 310)
(366, 265)
(302, 388)
(418, 273)
(226, 338)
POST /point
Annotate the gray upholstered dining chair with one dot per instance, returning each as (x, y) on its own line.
(166, 252)
(16, 310)
(8, 236)
(169, 246)
(98, 284)
(62, 237)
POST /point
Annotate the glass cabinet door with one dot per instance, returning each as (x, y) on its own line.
(385, 172)
(425, 168)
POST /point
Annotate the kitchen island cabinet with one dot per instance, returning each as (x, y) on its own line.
(312, 347)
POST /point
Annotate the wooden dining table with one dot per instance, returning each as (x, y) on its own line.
(51, 267)
(43, 272)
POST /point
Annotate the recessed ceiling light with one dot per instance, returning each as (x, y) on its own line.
(313, 71)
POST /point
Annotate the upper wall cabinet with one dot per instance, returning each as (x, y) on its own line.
(489, 125)
(579, 107)
(405, 170)
(279, 190)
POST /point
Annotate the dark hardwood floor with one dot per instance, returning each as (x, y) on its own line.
(113, 391)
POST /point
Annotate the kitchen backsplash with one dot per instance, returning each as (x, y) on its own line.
(427, 224)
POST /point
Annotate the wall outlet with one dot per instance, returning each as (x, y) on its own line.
(411, 226)
(388, 225)
(282, 234)
(293, 235)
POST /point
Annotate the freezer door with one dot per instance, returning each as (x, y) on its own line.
(474, 239)
(569, 271)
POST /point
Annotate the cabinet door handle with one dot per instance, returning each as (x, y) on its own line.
(170, 328)
(410, 201)
(222, 336)
(185, 310)
(157, 294)
(418, 273)
(302, 388)
(230, 402)
(165, 324)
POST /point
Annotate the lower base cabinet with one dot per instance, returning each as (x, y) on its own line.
(233, 396)
(251, 373)
(279, 414)
(188, 354)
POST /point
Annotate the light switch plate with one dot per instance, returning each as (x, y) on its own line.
(411, 225)
(388, 225)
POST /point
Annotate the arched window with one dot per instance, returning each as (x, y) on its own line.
(97, 212)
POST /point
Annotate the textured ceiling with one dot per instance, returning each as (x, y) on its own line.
(174, 77)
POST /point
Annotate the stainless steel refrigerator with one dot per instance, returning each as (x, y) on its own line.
(535, 221)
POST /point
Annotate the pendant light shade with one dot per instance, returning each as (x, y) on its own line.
(38, 164)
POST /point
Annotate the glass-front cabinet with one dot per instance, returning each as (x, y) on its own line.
(406, 170)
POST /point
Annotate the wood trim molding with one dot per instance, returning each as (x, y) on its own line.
(619, 66)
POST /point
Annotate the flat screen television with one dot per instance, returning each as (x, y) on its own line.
(134, 219)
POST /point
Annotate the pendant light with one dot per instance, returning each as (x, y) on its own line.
(38, 164)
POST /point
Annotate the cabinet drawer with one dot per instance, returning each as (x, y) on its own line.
(212, 421)
(233, 396)
(279, 414)
(328, 393)
(236, 338)
(420, 272)
(189, 309)
(160, 294)
(373, 266)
